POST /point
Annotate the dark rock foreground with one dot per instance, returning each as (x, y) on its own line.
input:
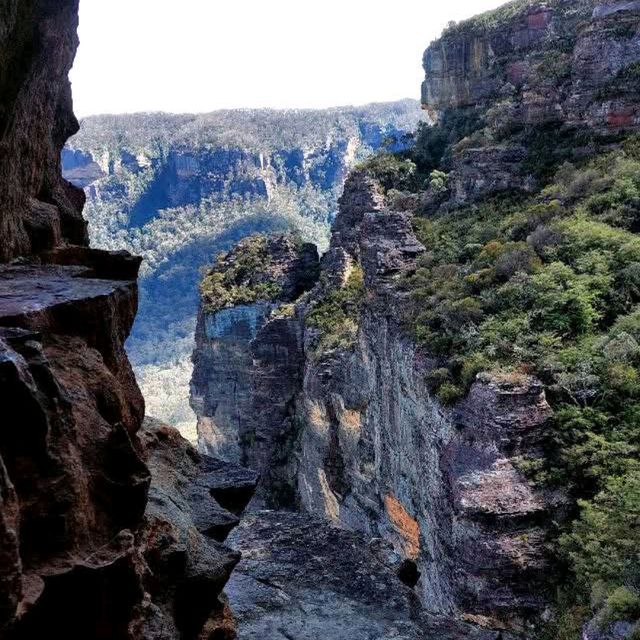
(108, 530)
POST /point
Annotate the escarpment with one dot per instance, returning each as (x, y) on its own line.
(107, 529)
(372, 449)
(529, 73)
(179, 188)
(445, 392)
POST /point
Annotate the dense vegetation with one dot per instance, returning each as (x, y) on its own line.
(335, 315)
(489, 20)
(261, 130)
(548, 284)
(430, 152)
(240, 277)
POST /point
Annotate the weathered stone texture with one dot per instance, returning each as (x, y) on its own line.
(561, 63)
(37, 45)
(69, 446)
(82, 552)
(181, 540)
(248, 366)
(375, 453)
(312, 580)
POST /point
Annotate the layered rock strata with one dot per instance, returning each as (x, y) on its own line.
(564, 69)
(105, 534)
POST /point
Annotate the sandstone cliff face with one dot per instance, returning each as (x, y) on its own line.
(37, 46)
(380, 455)
(248, 366)
(103, 533)
(529, 66)
(375, 453)
(194, 503)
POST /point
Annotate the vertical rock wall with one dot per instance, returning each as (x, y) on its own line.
(248, 366)
(102, 534)
(372, 450)
(380, 455)
(564, 69)
(40, 210)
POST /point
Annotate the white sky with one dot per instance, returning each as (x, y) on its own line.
(201, 55)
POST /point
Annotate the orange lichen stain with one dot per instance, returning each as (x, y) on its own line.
(331, 506)
(351, 420)
(405, 525)
(317, 416)
(539, 20)
(484, 621)
(622, 118)
(478, 55)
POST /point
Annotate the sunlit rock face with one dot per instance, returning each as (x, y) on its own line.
(554, 61)
(552, 68)
(371, 450)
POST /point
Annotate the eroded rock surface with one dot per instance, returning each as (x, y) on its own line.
(559, 68)
(375, 453)
(249, 362)
(40, 209)
(103, 534)
(83, 553)
(301, 579)
(68, 445)
(181, 540)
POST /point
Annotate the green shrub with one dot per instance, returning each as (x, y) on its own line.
(449, 393)
(336, 315)
(568, 625)
(604, 541)
(391, 171)
(555, 67)
(434, 143)
(240, 277)
(622, 604)
(438, 181)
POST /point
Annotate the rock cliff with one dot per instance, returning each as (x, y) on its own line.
(302, 578)
(178, 189)
(250, 368)
(362, 441)
(376, 446)
(41, 210)
(530, 70)
(107, 530)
